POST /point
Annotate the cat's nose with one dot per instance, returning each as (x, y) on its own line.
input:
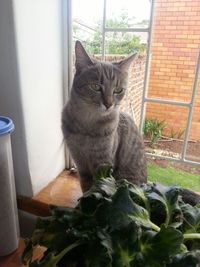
(107, 105)
(108, 102)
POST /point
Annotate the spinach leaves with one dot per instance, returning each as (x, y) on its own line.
(118, 224)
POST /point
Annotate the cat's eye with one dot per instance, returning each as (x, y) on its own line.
(118, 90)
(95, 86)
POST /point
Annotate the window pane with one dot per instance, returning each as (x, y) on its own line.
(125, 42)
(87, 24)
(129, 13)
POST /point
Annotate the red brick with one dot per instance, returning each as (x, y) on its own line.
(176, 37)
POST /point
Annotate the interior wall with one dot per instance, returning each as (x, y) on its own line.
(10, 97)
(37, 84)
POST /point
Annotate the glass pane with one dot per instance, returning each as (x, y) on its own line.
(125, 42)
(193, 147)
(132, 102)
(129, 13)
(172, 77)
(171, 121)
(118, 45)
(87, 24)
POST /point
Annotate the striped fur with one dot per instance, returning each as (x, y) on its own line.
(96, 132)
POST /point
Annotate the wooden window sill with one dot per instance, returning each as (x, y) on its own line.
(65, 190)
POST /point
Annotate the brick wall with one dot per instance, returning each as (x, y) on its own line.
(176, 40)
(133, 99)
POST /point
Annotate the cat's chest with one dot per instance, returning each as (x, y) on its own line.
(93, 144)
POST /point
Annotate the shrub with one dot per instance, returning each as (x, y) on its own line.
(153, 129)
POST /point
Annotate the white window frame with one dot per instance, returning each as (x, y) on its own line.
(67, 70)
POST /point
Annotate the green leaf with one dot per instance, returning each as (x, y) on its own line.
(157, 248)
(103, 171)
(50, 236)
(120, 208)
(191, 222)
(126, 246)
(167, 242)
(51, 259)
(102, 254)
(106, 186)
(164, 203)
(189, 259)
(138, 195)
(141, 216)
(89, 202)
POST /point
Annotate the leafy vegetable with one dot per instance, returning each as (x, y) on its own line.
(118, 224)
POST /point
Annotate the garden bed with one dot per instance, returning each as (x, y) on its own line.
(173, 148)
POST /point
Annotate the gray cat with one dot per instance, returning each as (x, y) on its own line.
(96, 132)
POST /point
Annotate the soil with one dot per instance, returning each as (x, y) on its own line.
(173, 148)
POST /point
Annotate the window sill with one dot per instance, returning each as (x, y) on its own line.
(63, 191)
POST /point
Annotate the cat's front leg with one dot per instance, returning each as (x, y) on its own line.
(86, 180)
(87, 177)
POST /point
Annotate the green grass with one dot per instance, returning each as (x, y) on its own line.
(171, 176)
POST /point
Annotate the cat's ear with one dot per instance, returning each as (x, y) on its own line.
(82, 58)
(125, 63)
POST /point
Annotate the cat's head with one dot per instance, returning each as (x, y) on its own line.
(102, 85)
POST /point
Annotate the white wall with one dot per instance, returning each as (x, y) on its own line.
(10, 97)
(37, 26)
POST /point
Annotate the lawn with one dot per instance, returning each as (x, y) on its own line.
(171, 176)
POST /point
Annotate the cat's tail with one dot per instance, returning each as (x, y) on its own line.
(190, 197)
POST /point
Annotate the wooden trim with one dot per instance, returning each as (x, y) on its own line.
(33, 206)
